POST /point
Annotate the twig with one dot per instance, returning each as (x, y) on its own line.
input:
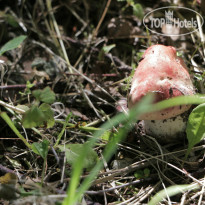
(12, 107)
(99, 98)
(19, 86)
(142, 164)
(90, 103)
(101, 19)
(121, 65)
(75, 14)
(202, 193)
(5, 169)
(145, 194)
(95, 74)
(112, 182)
(118, 187)
(58, 35)
(194, 196)
(200, 32)
(183, 199)
(128, 169)
(49, 27)
(93, 123)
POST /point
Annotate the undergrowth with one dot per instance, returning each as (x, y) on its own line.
(66, 134)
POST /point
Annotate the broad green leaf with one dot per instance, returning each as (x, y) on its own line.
(46, 95)
(38, 116)
(12, 44)
(196, 127)
(49, 115)
(72, 152)
(41, 148)
(171, 191)
(33, 117)
(138, 10)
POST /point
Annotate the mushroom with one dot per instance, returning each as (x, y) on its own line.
(162, 72)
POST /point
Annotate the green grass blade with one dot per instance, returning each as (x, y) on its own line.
(13, 127)
(73, 197)
(12, 44)
(63, 130)
(143, 107)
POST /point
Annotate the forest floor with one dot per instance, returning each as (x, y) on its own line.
(67, 79)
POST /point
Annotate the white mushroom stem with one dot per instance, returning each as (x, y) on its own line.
(169, 129)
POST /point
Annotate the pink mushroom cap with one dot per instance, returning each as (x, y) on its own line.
(165, 74)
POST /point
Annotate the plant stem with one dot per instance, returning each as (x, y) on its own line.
(43, 171)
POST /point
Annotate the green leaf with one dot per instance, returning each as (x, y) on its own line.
(105, 49)
(142, 173)
(41, 148)
(138, 10)
(11, 20)
(179, 53)
(29, 84)
(196, 127)
(23, 107)
(38, 116)
(12, 44)
(146, 172)
(171, 191)
(107, 135)
(108, 48)
(46, 95)
(72, 152)
(49, 115)
(33, 117)
(25, 193)
(139, 174)
(198, 76)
